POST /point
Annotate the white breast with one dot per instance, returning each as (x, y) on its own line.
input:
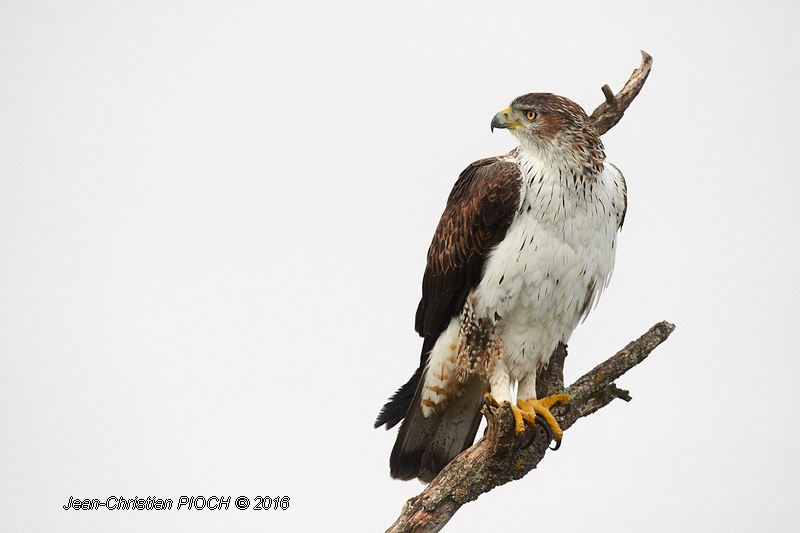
(557, 257)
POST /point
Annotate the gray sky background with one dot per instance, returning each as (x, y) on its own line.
(213, 227)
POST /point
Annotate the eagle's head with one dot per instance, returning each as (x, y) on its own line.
(555, 128)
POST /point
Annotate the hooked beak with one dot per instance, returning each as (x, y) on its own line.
(500, 120)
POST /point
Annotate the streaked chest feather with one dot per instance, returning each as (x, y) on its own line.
(557, 257)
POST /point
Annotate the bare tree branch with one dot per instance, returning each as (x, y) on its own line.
(610, 112)
(500, 456)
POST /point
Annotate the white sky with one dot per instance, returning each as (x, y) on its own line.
(213, 226)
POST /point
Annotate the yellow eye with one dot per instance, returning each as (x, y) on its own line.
(530, 115)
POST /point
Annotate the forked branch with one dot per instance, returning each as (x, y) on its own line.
(610, 112)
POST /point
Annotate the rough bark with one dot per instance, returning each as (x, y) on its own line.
(500, 455)
(610, 112)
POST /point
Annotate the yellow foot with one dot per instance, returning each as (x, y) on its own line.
(528, 409)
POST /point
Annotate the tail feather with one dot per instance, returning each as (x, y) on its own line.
(425, 445)
(397, 406)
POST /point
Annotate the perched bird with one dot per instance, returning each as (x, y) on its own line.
(521, 254)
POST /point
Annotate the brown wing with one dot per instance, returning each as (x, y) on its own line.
(478, 213)
(479, 210)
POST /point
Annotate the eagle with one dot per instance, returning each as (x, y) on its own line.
(522, 252)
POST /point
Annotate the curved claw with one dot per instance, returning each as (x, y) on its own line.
(527, 437)
(519, 442)
(488, 400)
(542, 423)
(538, 417)
(524, 439)
(531, 409)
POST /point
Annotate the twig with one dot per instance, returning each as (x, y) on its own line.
(610, 112)
(498, 457)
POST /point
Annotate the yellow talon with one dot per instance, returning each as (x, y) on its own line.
(528, 409)
(488, 399)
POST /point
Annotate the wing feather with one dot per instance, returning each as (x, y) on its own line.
(478, 213)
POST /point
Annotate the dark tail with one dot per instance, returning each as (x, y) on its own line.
(425, 445)
(397, 406)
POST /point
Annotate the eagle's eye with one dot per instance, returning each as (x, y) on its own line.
(530, 115)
